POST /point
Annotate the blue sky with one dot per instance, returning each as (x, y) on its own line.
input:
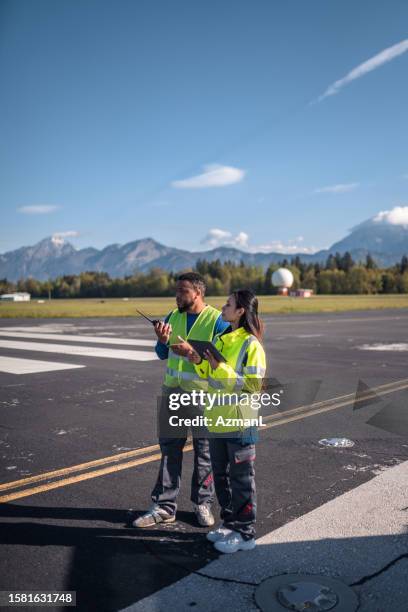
(266, 125)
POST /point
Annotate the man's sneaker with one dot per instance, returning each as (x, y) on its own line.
(218, 534)
(155, 515)
(233, 543)
(204, 515)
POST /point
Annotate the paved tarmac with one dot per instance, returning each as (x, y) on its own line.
(359, 538)
(79, 444)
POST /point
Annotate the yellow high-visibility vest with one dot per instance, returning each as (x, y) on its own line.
(180, 371)
(232, 379)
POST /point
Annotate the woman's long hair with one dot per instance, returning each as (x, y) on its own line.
(250, 320)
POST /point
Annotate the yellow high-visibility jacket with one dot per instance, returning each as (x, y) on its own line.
(233, 379)
(180, 371)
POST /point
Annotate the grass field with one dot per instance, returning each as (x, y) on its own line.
(161, 306)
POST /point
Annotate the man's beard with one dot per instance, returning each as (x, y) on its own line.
(185, 306)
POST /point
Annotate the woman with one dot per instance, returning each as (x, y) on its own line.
(232, 445)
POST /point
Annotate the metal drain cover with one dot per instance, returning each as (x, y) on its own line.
(309, 593)
(306, 595)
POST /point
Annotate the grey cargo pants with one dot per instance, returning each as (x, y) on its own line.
(167, 487)
(234, 479)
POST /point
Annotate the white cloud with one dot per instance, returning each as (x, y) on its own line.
(214, 175)
(68, 234)
(372, 64)
(277, 246)
(340, 188)
(241, 240)
(40, 209)
(58, 237)
(218, 237)
(397, 216)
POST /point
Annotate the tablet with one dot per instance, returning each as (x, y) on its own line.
(203, 345)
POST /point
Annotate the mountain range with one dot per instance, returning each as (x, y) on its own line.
(53, 256)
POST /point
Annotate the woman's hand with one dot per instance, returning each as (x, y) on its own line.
(194, 357)
(214, 363)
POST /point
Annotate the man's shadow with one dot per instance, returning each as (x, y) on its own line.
(111, 567)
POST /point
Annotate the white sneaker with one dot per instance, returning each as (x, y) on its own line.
(218, 534)
(204, 515)
(233, 543)
(155, 515)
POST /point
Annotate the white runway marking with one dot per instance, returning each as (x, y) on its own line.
(13, 365)
(309, 336)
(86, 351)
(396, 346)
(21, 332)
(48, 327)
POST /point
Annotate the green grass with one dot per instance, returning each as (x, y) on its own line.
(161, 306)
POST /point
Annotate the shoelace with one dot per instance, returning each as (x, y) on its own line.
(203, 510)
(232, 539)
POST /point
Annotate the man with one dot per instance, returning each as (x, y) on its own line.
(192, 319)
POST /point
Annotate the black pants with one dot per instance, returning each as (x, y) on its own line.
(167, 487)
(234, 479)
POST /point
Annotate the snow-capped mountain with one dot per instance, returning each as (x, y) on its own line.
(384, 236)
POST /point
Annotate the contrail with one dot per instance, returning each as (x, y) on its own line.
(372, 64)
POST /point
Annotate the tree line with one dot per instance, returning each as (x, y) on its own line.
(339, 275)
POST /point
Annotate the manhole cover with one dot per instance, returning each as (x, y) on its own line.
(304, 593)
(337, 442)
(307, 596)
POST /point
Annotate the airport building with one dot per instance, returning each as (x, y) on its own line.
(15, 297)
(304, 293)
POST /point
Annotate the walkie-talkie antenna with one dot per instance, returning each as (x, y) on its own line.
(152, 321)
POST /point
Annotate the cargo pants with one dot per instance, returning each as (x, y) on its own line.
(234, 479)
(167, 487)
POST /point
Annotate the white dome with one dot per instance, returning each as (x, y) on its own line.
(282, 278)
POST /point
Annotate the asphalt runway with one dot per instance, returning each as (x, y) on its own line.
(78, 444)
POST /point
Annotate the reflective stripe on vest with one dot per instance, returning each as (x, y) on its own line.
(173, 354)
(219, 383)
(180, 371)
(254, 370)
(242, 352)
(181, 374)
(226, 403)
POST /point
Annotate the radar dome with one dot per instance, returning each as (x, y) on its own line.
(282, 278)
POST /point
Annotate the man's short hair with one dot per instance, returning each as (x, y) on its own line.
(195, 279)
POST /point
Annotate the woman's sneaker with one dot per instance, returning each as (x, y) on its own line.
(218, 534)
(155, 515)
(234, 542)
(204, 515)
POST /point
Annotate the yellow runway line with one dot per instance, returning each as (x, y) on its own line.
(275, 420)
(309, 411)
(81, 477)
(78, 468)
(337, 402)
